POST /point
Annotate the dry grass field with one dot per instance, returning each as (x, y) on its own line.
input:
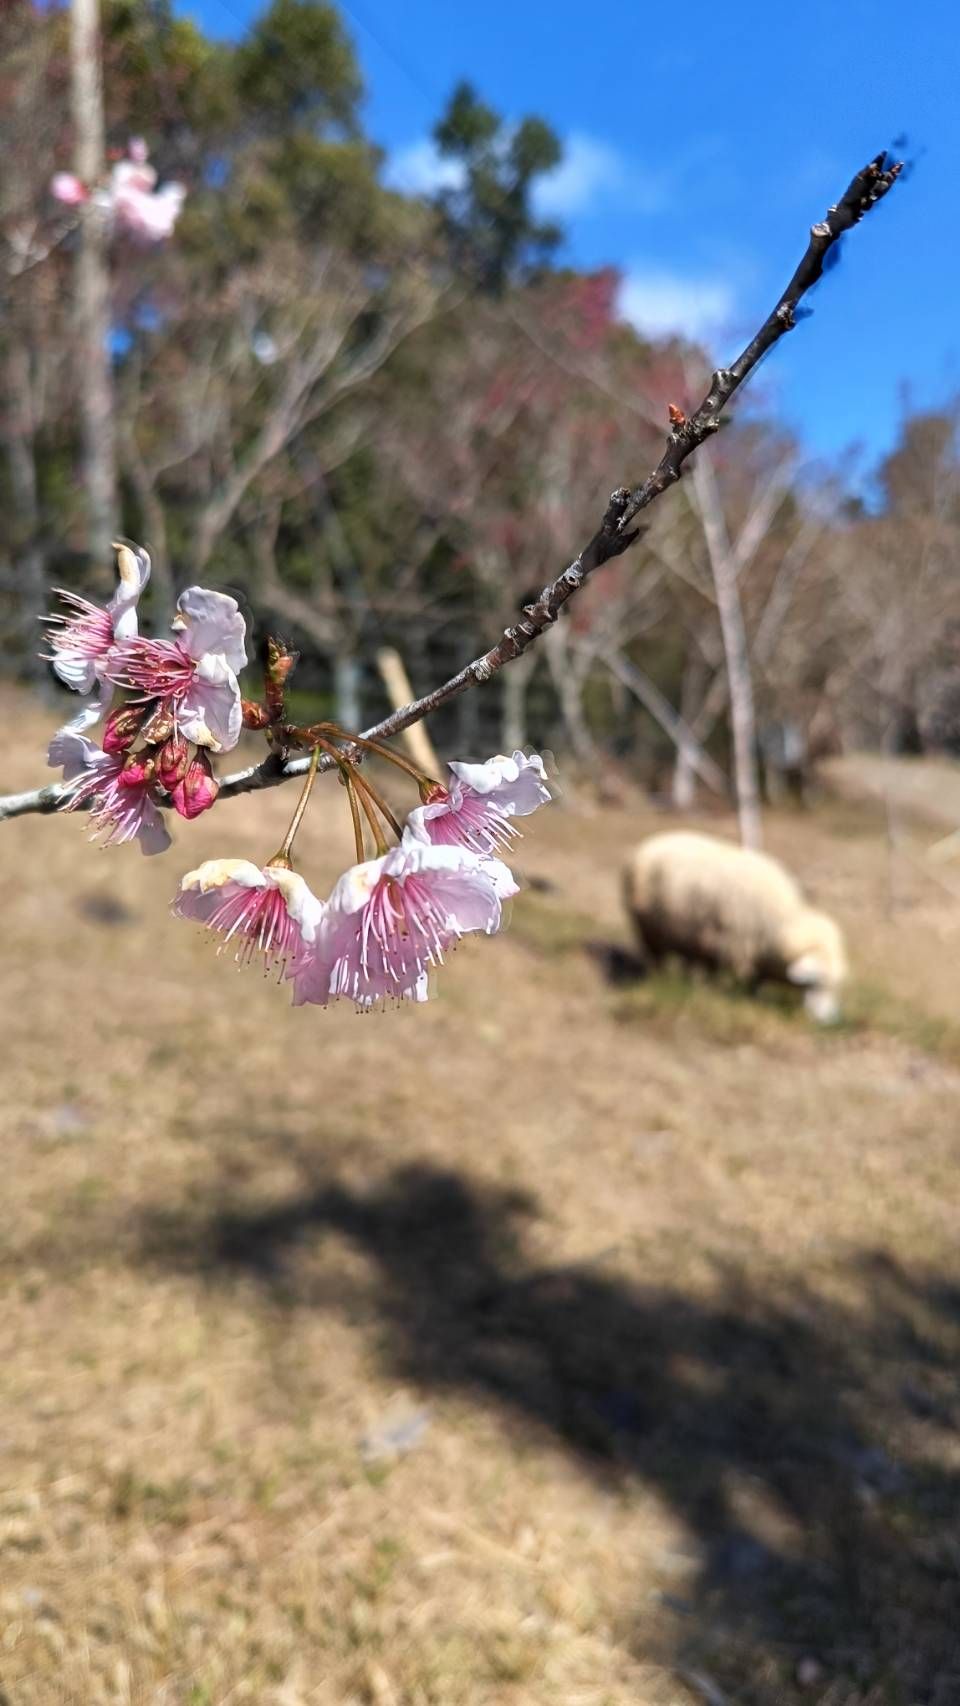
(570, 1342)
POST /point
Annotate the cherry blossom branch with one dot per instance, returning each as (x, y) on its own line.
(615, 533)
(868, 187)
(35, 800)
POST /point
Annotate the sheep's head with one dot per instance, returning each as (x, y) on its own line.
(817, 962)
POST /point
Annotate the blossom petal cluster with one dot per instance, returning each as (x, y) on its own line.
(389, 921)
(266, 910)
(183, 703)
(194, 676)
(81, 637)
(119, 795)
(167, 704)
(477, 807)
(130, 197)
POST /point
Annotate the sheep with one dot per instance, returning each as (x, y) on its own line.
(723, 906)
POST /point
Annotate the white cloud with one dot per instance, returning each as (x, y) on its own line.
(420, 169)
(589, 169)
(658, 302)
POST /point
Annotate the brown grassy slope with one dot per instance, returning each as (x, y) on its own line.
(659, 1288)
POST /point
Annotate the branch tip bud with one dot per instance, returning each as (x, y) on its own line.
(280, 664)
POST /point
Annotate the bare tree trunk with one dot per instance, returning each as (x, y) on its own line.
(568, 676)
(683, 791)
(672, 725)
(93, 285)
(513, 702)
(702, 719)
(154, 523)
(29, 565)
(736, 653)
(348, 711)
(683, 785)
(742, 719)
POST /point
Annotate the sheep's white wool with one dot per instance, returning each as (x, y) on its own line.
(707, 899)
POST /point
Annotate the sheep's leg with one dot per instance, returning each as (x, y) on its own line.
(650, 947)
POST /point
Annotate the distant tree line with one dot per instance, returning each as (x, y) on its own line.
(384, 419)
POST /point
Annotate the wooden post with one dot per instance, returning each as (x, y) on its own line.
(399, 692)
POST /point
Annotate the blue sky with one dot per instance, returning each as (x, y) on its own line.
(701, 142)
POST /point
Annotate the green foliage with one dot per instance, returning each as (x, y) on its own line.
(163, 79)
(468, 126)
(330, 189)
(297, 67)
(489, 220)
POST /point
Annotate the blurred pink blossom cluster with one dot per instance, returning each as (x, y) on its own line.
(390, 920)
(130, 197)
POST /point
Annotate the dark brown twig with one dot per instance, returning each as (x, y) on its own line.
(867, 188)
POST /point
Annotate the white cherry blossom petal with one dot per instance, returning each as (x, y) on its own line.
(210, 712)
(477, 807)
(518, 785)
(211, 622)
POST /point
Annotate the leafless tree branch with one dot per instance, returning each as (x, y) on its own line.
(866, 189)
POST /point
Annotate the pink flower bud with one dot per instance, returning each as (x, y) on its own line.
(197, 789)
(121, 728)
(172, 762)
(118, 793)
(255, 716)
(137, 770)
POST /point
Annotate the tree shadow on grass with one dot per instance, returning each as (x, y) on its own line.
(809, 1447)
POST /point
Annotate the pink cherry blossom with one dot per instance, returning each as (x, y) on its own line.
(195, 675)
(141, 210)
(130, 200)
(266, 910)
(390, 919)
(66, 187)
(149, 216)
(477, 809)
(119, 793)
(134, 172)
(80, 641)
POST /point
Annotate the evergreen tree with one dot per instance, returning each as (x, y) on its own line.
(488, 217)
